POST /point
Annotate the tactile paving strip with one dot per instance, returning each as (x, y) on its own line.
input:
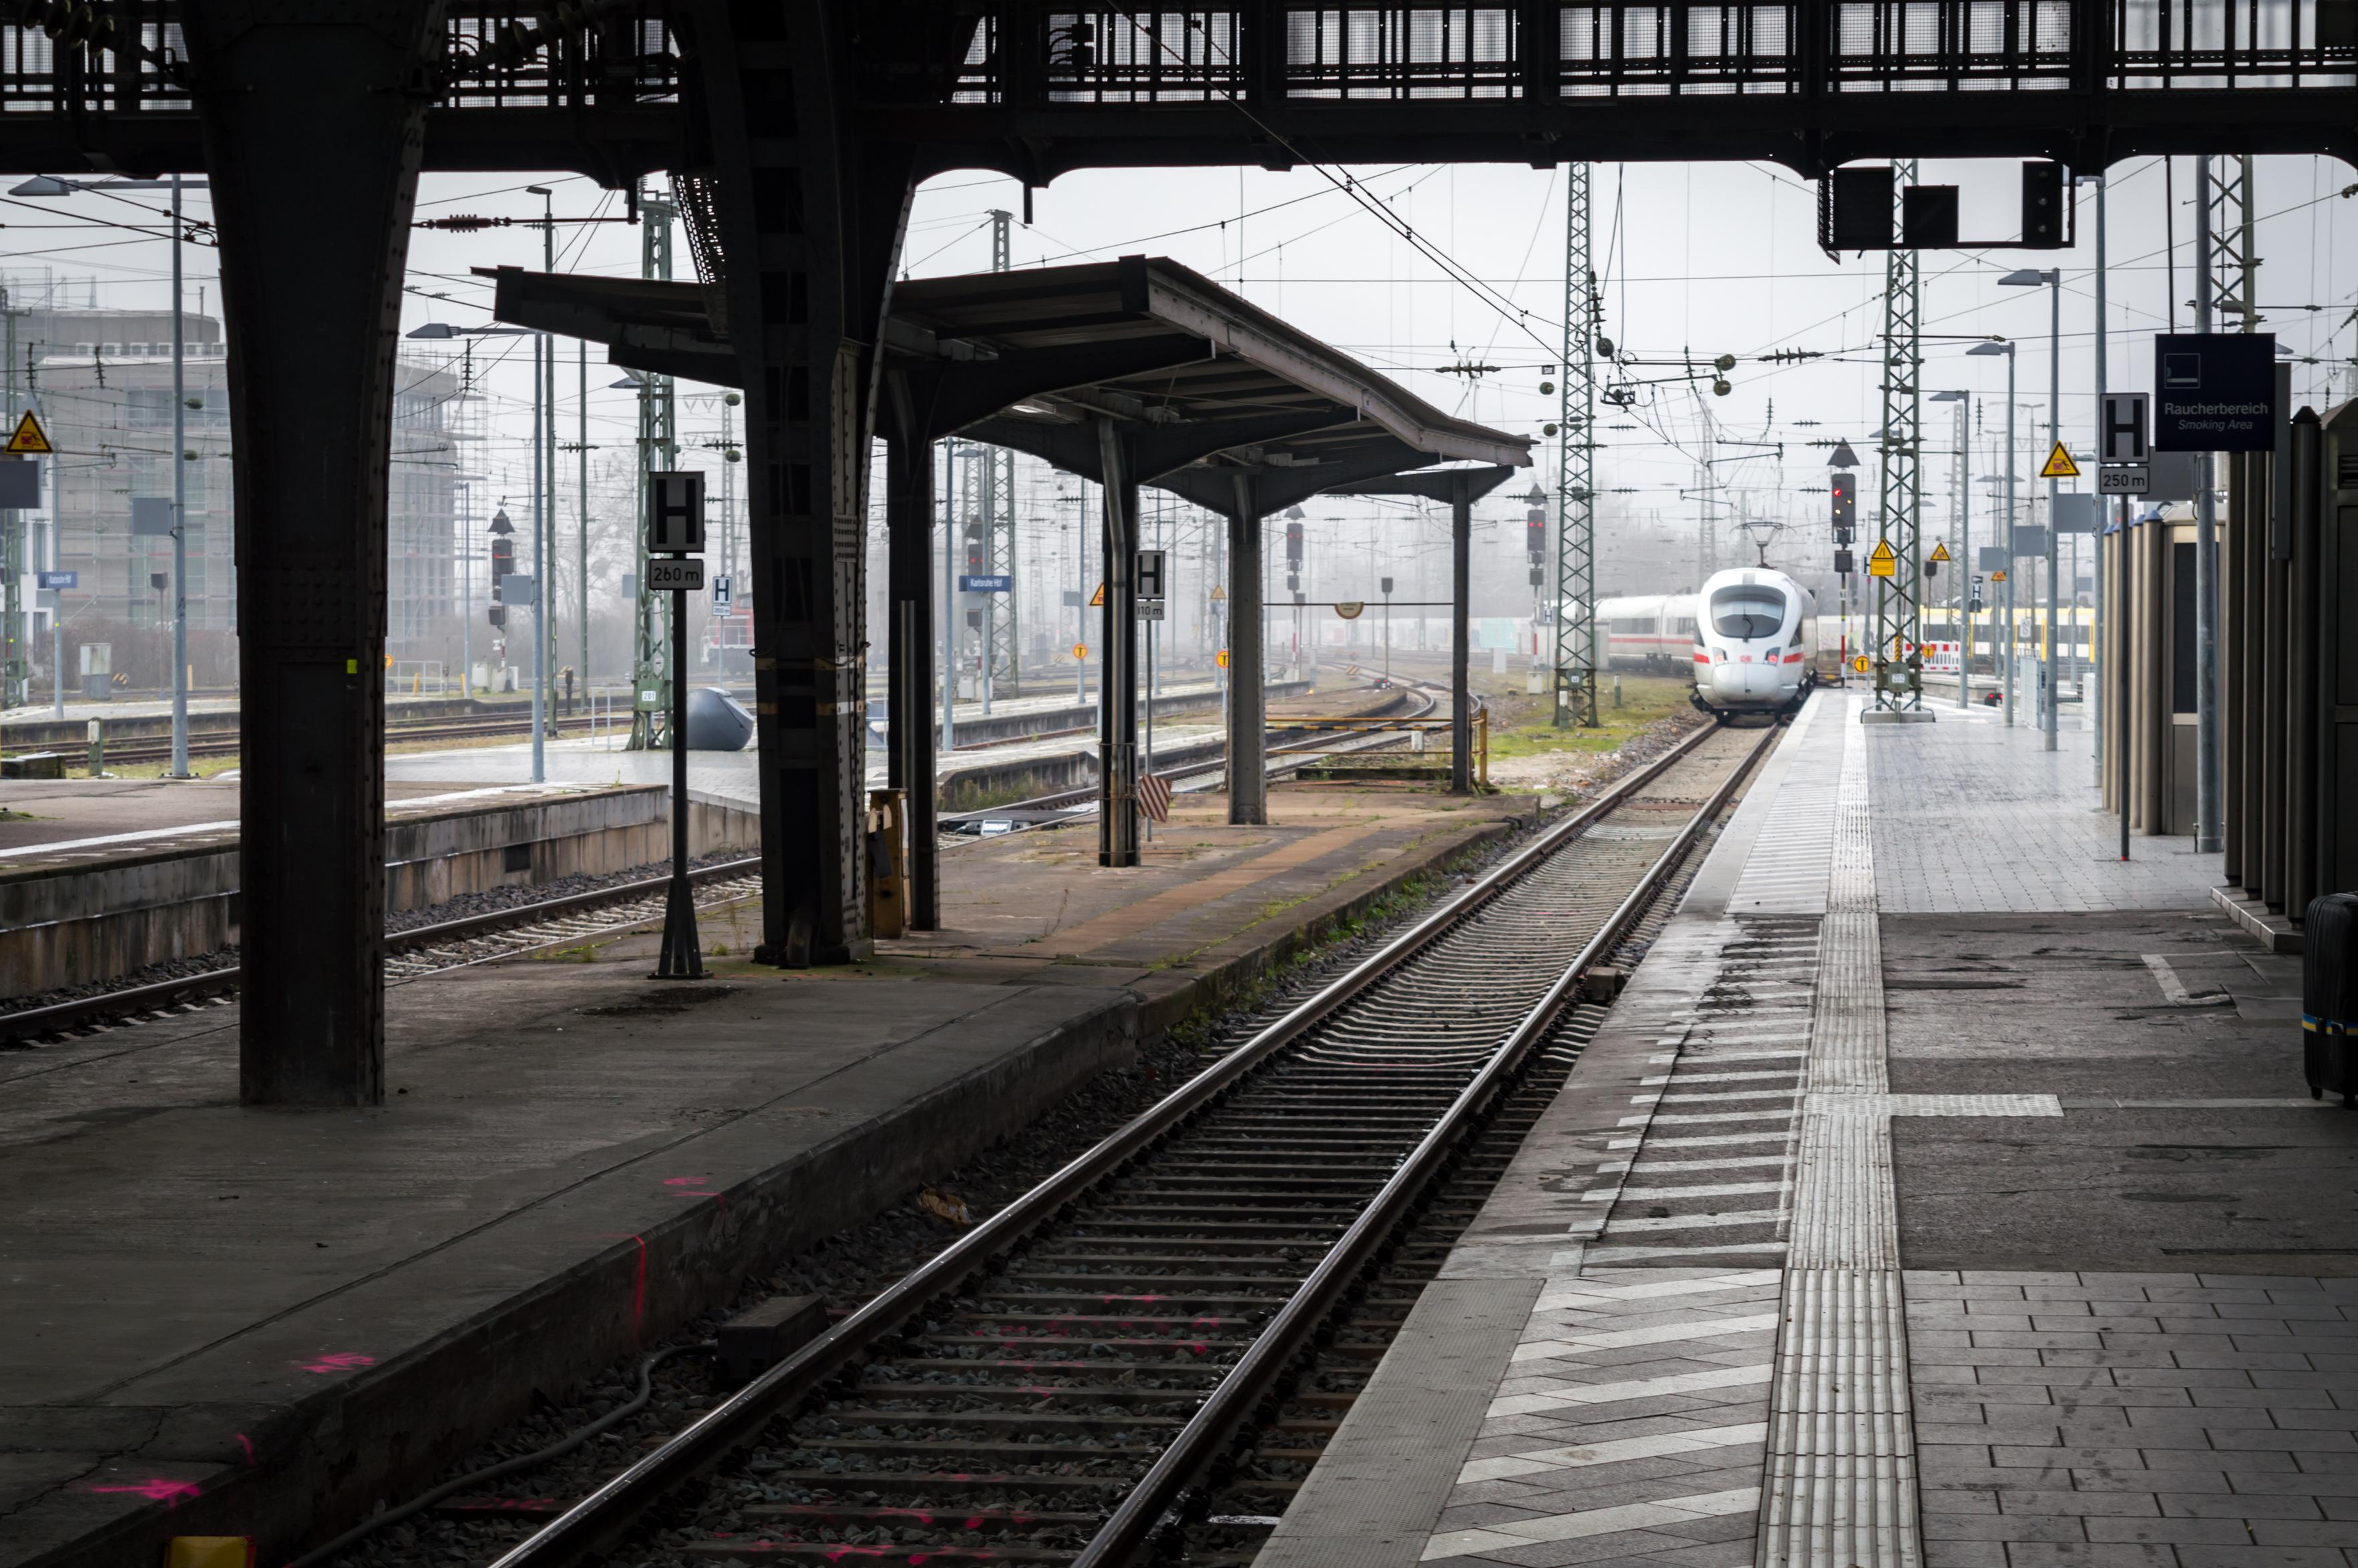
(1841, 1489)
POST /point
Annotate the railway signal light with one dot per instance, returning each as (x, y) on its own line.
(1293, 544)
(1845, 489)
(1535, 534)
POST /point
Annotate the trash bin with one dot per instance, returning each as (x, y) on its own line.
(2329, 996)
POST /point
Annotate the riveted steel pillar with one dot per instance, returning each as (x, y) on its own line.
(1117, 704)
(811, 219)
(312, 132)
(1248, 683)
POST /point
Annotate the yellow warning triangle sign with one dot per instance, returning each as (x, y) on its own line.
(1219, 592)
(30, 439)
(2059, 465)
(1096, 600)
(1883, 562)
(1940, 552)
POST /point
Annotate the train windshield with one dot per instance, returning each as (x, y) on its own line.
(1747, 613)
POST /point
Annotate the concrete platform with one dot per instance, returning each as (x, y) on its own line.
(78, 814)
(76, 911)
(1941, 1191)
(224, 1320)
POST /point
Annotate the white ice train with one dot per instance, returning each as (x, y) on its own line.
(1750, 635)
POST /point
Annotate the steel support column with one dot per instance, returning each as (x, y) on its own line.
(311, 290)
(1461, 708)
(909, 716)
(1247, 683)
(1117, 698)
(1899, 510)
(811, 218)
(1574, 612)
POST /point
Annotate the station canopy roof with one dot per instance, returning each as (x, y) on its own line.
(1202, 387)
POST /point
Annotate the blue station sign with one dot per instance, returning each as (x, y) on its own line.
(1001, 582)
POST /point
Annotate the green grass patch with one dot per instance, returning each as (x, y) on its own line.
(1645, 700)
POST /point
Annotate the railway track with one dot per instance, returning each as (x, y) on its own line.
(1277, 744)
(1151, 1345)
(227, 743)
(409, 955)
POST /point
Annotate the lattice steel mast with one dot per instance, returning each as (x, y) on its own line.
(1575, 612)
(1002, 622)
(2235, 267)
(1899, 510)
(651, 671)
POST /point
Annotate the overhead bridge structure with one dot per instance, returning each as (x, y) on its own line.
(799, 130)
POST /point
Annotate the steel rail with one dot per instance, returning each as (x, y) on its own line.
(1087, 796)
(611, 1512)
(32, 1020)
(1217, 1420)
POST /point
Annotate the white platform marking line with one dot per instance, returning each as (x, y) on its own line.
(1701, 1190)
(1698, 1140)
(1596, 1292)
(1654, 1256)
(1751, 1076)
(1594, 1521)
(1576, 1394)
(1676, 1167)
(2173, 989)
(1618, 1451)
(1696, 1221)
(1565, 1345)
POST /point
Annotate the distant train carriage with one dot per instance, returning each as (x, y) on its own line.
(1650, 632)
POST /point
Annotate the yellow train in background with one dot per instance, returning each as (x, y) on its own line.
(1848, 638)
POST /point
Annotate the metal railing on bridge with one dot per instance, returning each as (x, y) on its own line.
(1024, 52)
(1040, 54)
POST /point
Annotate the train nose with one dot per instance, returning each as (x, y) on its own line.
(1733, 680)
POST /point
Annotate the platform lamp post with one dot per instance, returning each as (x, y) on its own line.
(675, 564)
(1962, 566)
(2005, 346)
(2052, 277)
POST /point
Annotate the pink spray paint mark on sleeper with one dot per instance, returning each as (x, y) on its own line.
(247, 1444)
(338, 1361)
(155, 1489)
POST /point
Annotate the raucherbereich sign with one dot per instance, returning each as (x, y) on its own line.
(2214, 392)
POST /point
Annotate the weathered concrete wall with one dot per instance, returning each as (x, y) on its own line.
(73, 921)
